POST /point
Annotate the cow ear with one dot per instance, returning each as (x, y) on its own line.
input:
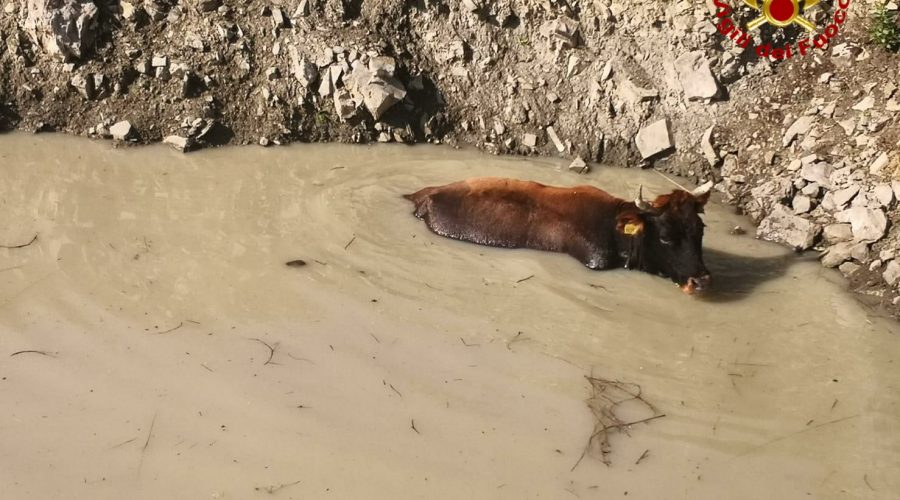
(701, 201)
(629, 224)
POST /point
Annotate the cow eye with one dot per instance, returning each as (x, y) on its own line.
(666, 242)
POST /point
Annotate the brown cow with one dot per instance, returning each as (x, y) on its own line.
(663, 237)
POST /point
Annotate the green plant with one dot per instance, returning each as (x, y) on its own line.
(884, 30)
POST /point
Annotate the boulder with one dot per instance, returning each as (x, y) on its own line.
(891, 273)
(344, 105)
(578, 165)
(836, 233)
(65, 28)
(695, 76)
(867, 224)
(121, 131)
(654, 139)
(706, 146)
(182, 144)
(303, 70)
(817, 172)
(782, 226)
(800, 127)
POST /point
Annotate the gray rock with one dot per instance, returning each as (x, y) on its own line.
(303, 70)
(801, 204)
(782, 226)
(66, 28)
(800, 127)
(563, 29)
(84, 85)
(866, 104)
(817, 172)
(182, 144)
(384, 66)
(848, 268)
(843, 196)
(380, 94)
(121, 131)
(867, 224)
(578, 165)
(836, 233)
(880, 162)
(838, 254)
(884, 194)
(653, 139)
(634, 94)
(695, 76)
(706, 146)
(344, 105)
(891, 273)
(811, 190)
(529, 140)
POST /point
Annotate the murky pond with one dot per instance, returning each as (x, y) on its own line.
(178, 357)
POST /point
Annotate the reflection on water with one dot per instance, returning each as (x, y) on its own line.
(154, 273)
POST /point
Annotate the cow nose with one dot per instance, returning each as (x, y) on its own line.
(696, 284)
(701, 282)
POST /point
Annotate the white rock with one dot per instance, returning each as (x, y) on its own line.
(800, 127)
(344, 105)
(840, 253)
(629, 91)
(654, 139)
(695, 77)
(836, 233)
(121, 131)
(866, 104)
(555, 138)
(817, 172)
(884, 195)
(801, 204)
(578, 165)
(891, 273)
(867, 224)
(706, 146)
(180, 143)
(848, 268)
(880, 162)
(67, 28)
(782, 226)
(529, 140)
(843, 196)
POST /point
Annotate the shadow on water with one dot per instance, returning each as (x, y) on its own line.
(735, 277)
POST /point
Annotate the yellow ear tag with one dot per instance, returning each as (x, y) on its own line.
(631, 229)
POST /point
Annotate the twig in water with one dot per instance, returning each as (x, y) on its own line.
(123, 443)
(834, 404)
(204, 366)
(643, 456)
(664, 176)
(31, 351)
(374, 337)
(295, 263)
(350, 242)
(273, 489)
(147, 442)
(170, 330)
(23, 245)
(866, 479)
(467, 344)
(412, 425)
(525, 278)
(782, 438)
(385, 382)
(513, 340)
(270, 348)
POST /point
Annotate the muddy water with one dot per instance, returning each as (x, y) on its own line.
(183, 359)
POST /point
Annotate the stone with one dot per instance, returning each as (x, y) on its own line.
(866, 104)
(344, 105)
(555, 138)
(84, 85)
(895, 185)
(529, 140)
(303, 70)
(562, 29)
(278, 18)
(879, 163)
(782, 226)
(800, 127)
(634, 94)
(182, 144)
(326, 87)
(578, 165)
(836, 233)
(811, 190)
(695, 76)
(884, 195)
(606, 72)
(867, 224)
(159, 61)
(653, 139)
(891, 273)
(848, 268)
(121, 131)
(380, 94)
(801, 204)
(843, 196)
(272, 73)
(838, 254)
(208, 5)
(817, 172)
(65, 28)
(383, 66)
(302, 9)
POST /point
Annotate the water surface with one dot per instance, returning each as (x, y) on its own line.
(157, 287)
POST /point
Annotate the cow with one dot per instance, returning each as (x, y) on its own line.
(662, 237)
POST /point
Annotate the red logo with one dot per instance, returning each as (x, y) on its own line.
(781, 14)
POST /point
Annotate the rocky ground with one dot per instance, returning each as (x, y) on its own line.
(808, 146)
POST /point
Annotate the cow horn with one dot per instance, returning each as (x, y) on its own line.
(640, 202)
(702, 190)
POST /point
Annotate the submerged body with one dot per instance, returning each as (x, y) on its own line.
(602, 231)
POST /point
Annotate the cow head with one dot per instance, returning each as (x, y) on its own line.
(666, 236)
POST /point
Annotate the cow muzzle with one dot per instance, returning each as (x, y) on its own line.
(693, 285)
